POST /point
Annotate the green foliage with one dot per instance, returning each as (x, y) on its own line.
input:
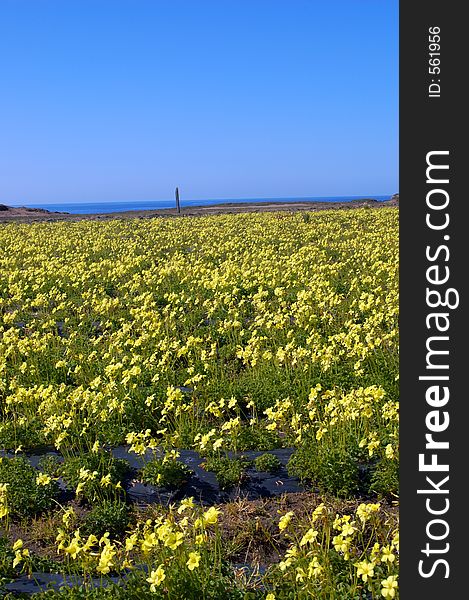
(50, 464)
(257, 438)
(335, 471)
(183, 587)
(170, 474)
(229, 471)
(26, 434)
(267, 462)
(90, 469)
(6, 561)
(8, 571)
(385, 478)
(25, 496)
(116, 315)
(108, 516)
(339, 473)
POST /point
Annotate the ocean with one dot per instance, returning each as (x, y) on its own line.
(83, 208)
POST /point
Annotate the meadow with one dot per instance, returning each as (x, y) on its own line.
(225, 337)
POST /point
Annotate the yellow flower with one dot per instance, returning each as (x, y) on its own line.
(389, 587)
(185, 503)
(194, 560)
(320, 432)
(364, 511)
(156, 578)
(365, 570)
(211, 515)
(60, 536)
(309, 536)
(105, 560)
(67, 516)
(217, 443)
(314, 568)
(372, 445)
(20, 556)
(348, 528)
(149, 541)
(43, 479)
(90, 542)
(174, 540)
(292, 552)
(104, 539)
(284, 564)
(374, 553)
(130, 542)
(340, 544)
(387, 554)
(270, 596)
(300, 574)
(183, 523)
(73, 548)
(285, 520)
(105, 480)
(318, 511)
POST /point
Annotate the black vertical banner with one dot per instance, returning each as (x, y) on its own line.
(434, 263)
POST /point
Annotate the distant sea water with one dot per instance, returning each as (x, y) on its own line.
(84, 208)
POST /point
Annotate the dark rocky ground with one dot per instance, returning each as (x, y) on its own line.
(30, 215)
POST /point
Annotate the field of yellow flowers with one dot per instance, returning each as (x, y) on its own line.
(222, 337)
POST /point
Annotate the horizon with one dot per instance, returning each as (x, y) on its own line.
(108, 101)
(202, 200)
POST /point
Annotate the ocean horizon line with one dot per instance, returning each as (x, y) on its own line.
(108, 206)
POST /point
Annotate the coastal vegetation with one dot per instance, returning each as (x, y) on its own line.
(145, 353)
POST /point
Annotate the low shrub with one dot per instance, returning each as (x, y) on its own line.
(110, 516)
(335, 471)
(169, 474)
(26, 434)
(95, 476)
(268, 463)
(385, 478)
(257, 438)
(339, 473)
(50, 464)
(229, 471)
(28, 492)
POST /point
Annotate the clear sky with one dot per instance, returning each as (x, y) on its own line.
(117, 100)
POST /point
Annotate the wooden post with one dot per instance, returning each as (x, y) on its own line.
(177, 200)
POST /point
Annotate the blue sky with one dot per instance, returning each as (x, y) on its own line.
(119, 100)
